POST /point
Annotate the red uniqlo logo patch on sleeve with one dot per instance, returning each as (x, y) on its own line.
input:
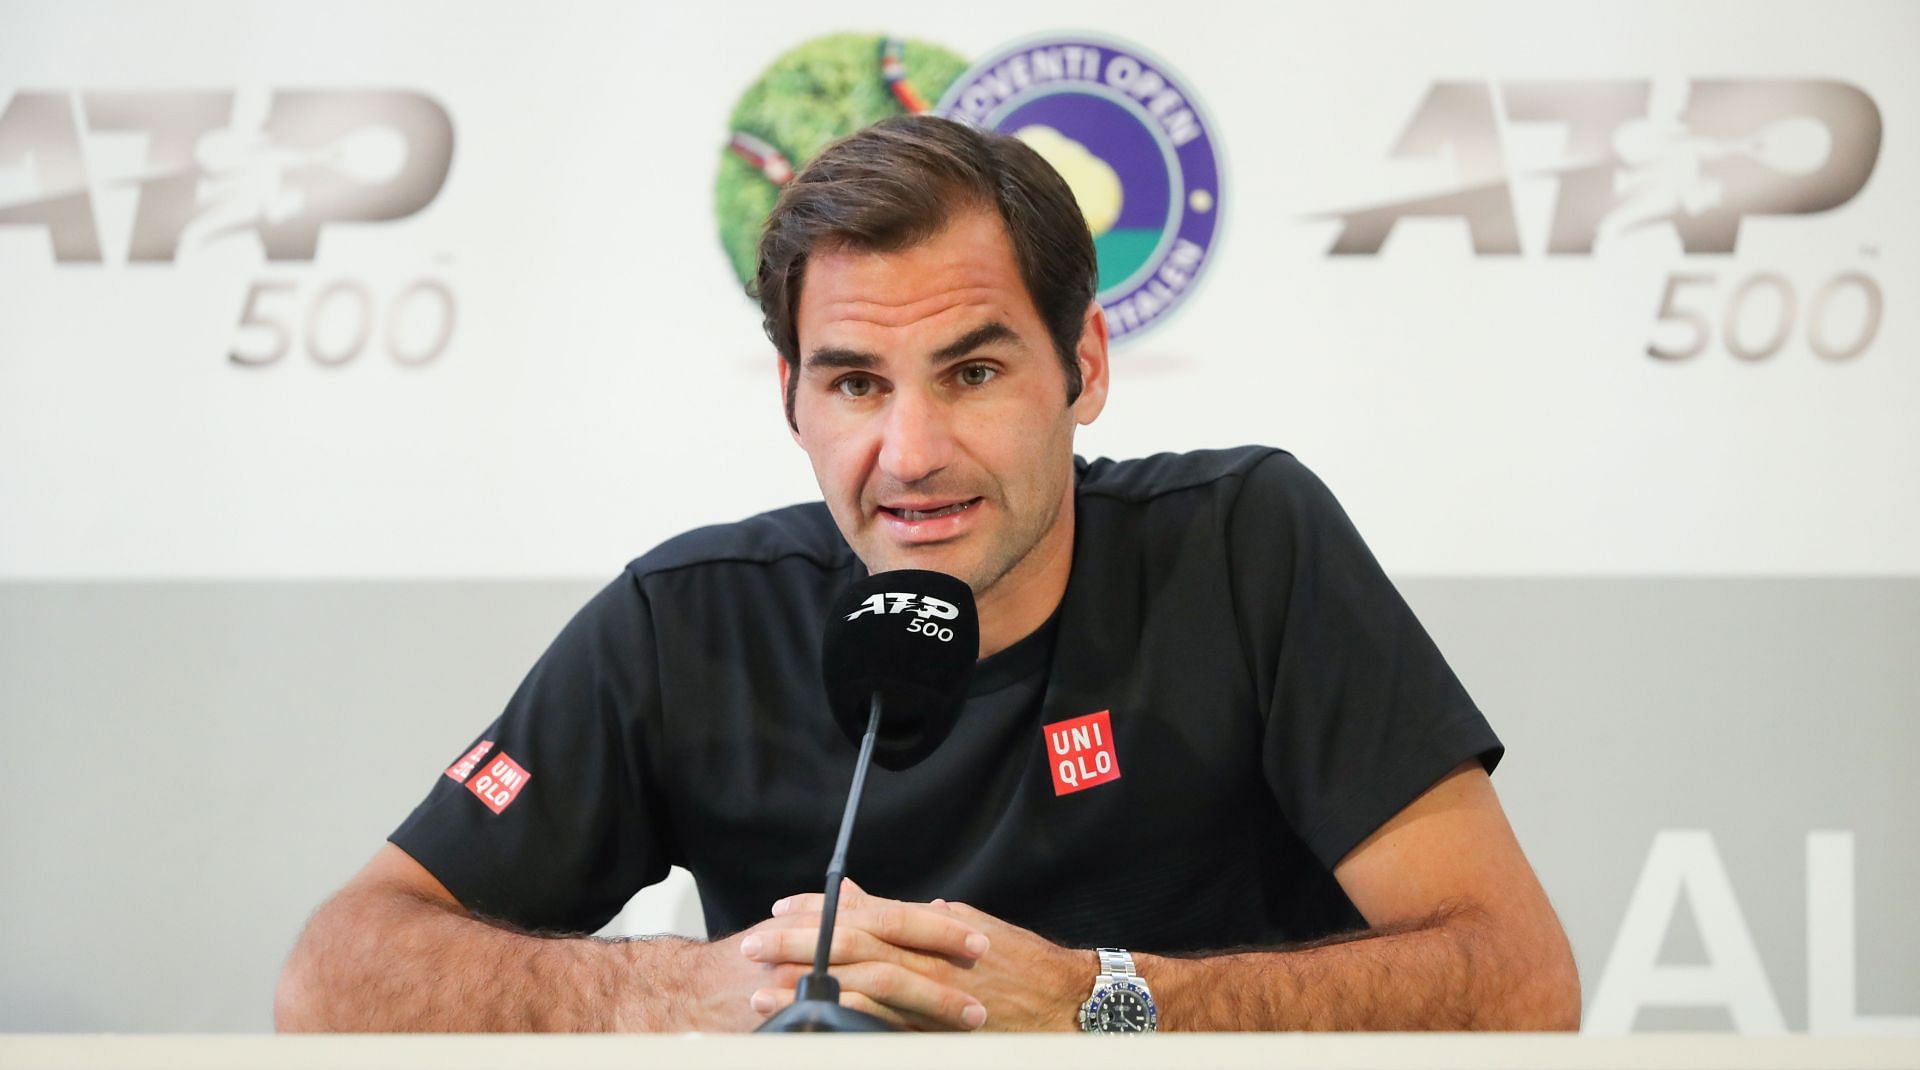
(463, 768)
(1080, 753)
(500, 784)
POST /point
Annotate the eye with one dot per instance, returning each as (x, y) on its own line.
(976, 374)
(854, 386)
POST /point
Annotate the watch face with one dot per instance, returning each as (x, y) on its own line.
(1123, 1008)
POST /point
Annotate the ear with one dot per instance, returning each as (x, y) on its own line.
(793, 429)
(1092, 355)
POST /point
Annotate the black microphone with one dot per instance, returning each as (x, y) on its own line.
(897, 656)
(912, 635)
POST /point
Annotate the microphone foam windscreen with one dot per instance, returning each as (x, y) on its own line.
(913, 636)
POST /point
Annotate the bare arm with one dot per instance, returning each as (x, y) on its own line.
(394, 951)
(1456, 973)
(1461, 937)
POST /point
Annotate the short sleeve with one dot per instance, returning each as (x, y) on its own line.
(546, 822)
(1362, 713)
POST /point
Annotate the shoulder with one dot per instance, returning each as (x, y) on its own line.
(1256, 501)
(1231, 471)
(800, 535)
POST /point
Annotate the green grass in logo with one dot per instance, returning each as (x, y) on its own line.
(1121, 253)
(817, 91)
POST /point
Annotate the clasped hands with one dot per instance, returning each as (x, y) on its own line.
(922, 966)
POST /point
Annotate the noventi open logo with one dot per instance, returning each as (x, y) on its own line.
(1124, 131)
(1121, 127)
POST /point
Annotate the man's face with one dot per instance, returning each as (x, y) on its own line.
(934, 408)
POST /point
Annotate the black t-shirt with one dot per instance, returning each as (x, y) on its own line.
(1268, 698)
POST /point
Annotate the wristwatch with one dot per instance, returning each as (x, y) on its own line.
(1121, 1002)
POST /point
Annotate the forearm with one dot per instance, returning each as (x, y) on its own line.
(387, 960)
(1451, 972)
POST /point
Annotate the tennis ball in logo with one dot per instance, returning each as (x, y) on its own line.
(1095, 185)
(817, 91)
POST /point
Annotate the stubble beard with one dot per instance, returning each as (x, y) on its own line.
(1013, 548)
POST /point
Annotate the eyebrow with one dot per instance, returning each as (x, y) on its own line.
(985, 334)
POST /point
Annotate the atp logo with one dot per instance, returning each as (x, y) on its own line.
(1693, 161)
(923, 605)
(275, 168)
(280, 169)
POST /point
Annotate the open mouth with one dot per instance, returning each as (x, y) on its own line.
(930, 514)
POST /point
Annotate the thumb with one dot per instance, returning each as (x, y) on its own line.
(852, 894)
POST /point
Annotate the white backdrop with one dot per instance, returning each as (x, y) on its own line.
(1478, 414)
(1685, 591)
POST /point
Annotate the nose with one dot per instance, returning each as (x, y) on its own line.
(917, 439)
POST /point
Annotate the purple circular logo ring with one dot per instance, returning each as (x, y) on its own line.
(1128, 136)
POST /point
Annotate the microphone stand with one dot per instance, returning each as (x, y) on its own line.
(816, 999)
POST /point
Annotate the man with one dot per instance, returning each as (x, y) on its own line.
(1272, 757)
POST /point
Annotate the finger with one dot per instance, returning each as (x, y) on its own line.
(851, 895)
(912, 994)
(910, 925)
(796, 946)
(784, 974)
(768, 1002)
(861, 933)
(804, 903)
(859, 1002)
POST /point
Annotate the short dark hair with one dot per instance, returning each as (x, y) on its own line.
(896, 184)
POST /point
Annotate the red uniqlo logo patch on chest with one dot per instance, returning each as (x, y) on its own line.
(463, 768)
(1080, 753)
(500, 784)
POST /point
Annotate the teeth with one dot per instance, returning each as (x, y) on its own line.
(911, 514)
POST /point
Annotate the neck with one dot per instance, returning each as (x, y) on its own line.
(1027, 595)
